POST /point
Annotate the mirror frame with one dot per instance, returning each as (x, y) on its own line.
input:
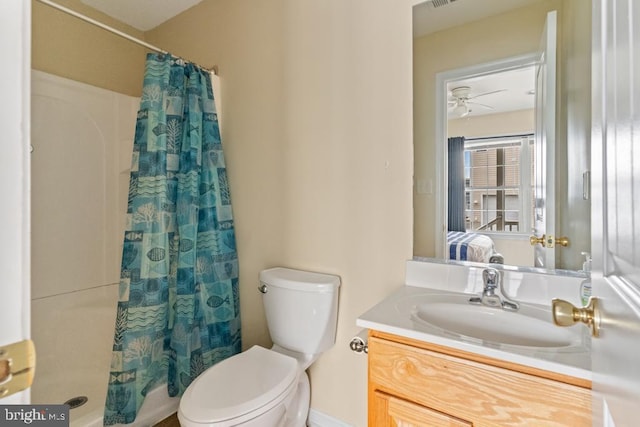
(442, 79)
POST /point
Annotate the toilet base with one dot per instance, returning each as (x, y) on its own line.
(293, 412)
(298, 410)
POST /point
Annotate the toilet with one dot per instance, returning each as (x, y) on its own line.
(269, 387)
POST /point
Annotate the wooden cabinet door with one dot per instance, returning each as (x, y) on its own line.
(391, 411)
(438, 384)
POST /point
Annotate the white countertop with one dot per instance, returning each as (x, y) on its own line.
(393, 316)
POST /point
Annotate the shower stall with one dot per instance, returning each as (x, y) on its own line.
(82, 139)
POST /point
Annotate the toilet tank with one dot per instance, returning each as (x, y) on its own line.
(301, 308)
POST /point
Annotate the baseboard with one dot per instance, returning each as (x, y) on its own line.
(318, 419)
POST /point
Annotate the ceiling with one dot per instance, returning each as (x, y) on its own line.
(143, 15)
(516, 92)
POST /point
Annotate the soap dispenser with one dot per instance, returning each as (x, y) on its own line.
(585, 286)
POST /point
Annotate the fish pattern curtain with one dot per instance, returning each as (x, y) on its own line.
(456, 202)
(178, 309)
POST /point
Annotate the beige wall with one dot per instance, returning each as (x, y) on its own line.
(509, 34)
(318, 142)
(250, 70)
(67, 47)
(317, 138)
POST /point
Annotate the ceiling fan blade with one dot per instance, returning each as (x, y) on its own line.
(487, 93)
(488, 107)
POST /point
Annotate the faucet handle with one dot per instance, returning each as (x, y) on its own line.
(490, 276)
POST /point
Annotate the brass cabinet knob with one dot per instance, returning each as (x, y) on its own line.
(535, 240)
(566, 314)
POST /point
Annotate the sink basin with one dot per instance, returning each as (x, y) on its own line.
(530, 326)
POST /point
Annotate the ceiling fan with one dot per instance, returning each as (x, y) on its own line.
(461, 100)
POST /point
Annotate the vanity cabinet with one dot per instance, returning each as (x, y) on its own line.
(413, 383)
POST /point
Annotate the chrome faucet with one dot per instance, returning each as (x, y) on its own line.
(492, 281)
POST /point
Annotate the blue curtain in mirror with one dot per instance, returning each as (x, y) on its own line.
(456, 202)
(178, 309)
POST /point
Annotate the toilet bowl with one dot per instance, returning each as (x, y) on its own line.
(270, 387)
(255, 387)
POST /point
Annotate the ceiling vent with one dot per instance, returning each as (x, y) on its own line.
(440, 3)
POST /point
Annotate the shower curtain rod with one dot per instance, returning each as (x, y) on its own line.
(92, 21)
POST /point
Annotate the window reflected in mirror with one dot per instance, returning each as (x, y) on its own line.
(498, 178)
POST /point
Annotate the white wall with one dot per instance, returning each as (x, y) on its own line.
(14, 178)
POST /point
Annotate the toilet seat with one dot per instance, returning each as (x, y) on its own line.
(242, 386)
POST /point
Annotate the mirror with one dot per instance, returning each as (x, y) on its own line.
(465, 54)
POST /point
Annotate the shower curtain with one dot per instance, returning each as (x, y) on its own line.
(178, 309)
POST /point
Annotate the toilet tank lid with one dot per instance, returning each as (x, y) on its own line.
(300, 280)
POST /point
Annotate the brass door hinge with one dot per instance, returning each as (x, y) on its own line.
(17, 367)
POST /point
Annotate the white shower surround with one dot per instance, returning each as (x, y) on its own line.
(82, 138)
